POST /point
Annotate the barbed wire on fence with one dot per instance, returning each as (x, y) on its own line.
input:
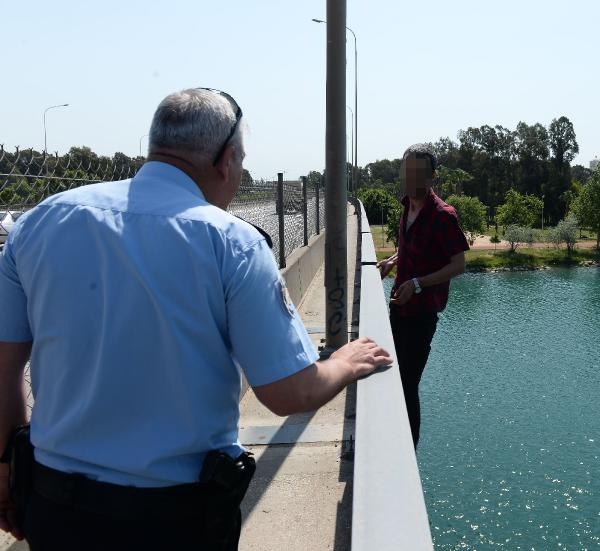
(27, 177)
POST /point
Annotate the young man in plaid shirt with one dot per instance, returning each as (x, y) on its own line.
(431, 251)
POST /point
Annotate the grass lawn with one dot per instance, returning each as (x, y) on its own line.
(528, 257)
(479, 260)
(380, 239)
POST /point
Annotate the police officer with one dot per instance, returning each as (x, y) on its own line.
(138, 302)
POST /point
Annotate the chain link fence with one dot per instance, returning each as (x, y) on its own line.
(28, 177)
(289, 211)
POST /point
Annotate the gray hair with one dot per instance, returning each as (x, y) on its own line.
(422, 151)
(194, 120)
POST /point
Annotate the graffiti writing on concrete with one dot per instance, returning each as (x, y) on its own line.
(337, 298)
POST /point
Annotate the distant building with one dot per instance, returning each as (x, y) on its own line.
(594, 164)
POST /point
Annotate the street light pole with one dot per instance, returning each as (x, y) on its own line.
(543, 212)
(355, 175)
(45, 111)
(352, 146)
(352, 134)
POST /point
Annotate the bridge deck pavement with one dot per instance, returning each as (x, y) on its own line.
(301, 496)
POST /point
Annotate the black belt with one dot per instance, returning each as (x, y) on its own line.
(113, 499)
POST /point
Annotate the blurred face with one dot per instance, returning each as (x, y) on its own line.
(415, 177)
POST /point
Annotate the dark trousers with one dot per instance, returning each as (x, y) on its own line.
(50, 526)
(412, 340)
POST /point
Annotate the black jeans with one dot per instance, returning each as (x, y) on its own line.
(412, 340)
(50, 526)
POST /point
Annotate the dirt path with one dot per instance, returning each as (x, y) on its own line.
(483, 243)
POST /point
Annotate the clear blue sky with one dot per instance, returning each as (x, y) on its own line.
(425, 70)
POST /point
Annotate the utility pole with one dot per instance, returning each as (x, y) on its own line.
(336, 266)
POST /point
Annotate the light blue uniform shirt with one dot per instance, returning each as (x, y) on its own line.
(143, 302)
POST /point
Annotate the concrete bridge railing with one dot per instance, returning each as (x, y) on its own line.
(388, 507)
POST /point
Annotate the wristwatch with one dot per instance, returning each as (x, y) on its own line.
(417, 286)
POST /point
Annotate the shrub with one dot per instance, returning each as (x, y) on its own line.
(393, 225)
(378, 204)
(516, 235)
(566, 231)
(471, 214)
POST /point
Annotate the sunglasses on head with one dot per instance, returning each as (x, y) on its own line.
(238, 116)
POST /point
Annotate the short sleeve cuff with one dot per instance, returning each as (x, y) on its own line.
(288, 367)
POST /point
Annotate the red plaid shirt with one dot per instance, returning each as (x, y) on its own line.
(425, 248)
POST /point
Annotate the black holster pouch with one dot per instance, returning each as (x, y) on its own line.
(226, 481)
(19, 454)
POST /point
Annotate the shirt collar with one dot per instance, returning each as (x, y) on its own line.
(169, 174)
(429, 200)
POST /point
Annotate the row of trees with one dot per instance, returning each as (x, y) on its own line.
(491, 175)
(519, 213)
(521, 178)
(487, 161)
(34, 175)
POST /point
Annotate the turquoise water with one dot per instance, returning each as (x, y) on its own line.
(510, 437)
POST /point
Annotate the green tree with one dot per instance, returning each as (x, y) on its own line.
(565, 232)
(495, 240)
(314, 179)
(581, 173)
(393, 223)
(471, 214)
(378, 204)
(451, 181)
(520, 210)
(247, 179)
(563, 142)
(535, 206)
(563, 146)
(386, 171)
(532, 151)
(571, 194)
(515, 235)
(587, 205)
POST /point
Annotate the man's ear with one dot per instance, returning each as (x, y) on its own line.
(226, 161)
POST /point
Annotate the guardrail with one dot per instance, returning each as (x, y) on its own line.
(388, 507)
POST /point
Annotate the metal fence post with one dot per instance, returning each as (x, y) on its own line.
(305, 211)
(317, 185)
(280, 215)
